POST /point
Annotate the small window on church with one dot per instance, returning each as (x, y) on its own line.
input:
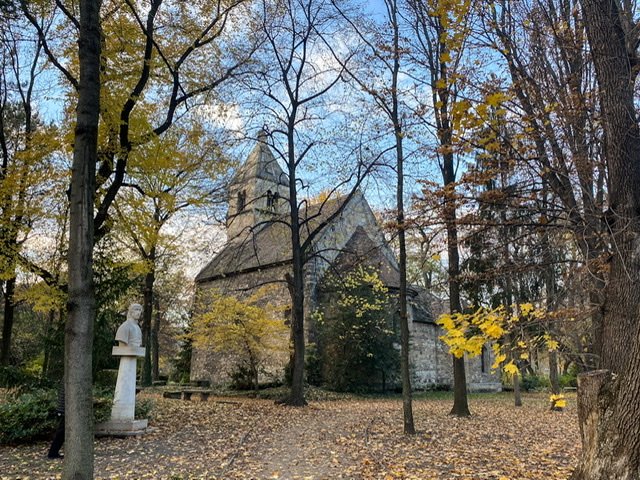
(242, 200)
(272, 200)
(484, 359)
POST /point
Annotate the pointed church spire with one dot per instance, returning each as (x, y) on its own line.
(263, 134)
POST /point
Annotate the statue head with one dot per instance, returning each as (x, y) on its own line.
(129, 332)
(135, 312)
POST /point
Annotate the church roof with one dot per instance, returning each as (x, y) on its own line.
(425, 305)
(261, 163)
(269, 244)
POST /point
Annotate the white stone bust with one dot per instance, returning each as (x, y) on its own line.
(129, 333)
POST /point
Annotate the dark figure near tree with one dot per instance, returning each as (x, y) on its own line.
(58, 437)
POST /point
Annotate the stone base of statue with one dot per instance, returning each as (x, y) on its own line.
(123, 420)
(121, 428)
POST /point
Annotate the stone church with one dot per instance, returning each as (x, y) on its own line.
(258, 253)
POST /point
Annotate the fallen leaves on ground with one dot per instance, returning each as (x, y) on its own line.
(347, 439)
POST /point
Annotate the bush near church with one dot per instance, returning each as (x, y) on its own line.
(356, 349)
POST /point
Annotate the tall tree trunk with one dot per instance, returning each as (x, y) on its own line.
(47, 346)
(296, 280)
(551, 294)
(149, 280)
(78, 462)
(405, 368)
(553, 372)
(609, 399)
(405, 371)
(460, 402)
(155, 343)
(7, 325)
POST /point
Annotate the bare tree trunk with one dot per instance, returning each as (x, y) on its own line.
(7, 325)
(296, 280)
(78, 462)
(551, 296)
(47, 347)
(407, 401)
(553, 372)
(609, 399)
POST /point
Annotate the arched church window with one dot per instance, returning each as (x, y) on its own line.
(272, 200)
(484, 359)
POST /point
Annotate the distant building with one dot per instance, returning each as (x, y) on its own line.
(258, 252)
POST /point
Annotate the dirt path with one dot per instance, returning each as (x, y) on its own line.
(354, 439)
(310, 444)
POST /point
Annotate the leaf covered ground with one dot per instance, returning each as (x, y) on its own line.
(240, 438)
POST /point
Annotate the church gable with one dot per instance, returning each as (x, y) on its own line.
(356, 217)
(362, 251)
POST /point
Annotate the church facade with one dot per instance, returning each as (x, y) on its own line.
(258, 253)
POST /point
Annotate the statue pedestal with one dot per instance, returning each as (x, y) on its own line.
(124, 399)
(115, 428)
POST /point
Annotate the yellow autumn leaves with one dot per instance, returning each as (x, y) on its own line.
(558, 402)
(468, 333)
(350, 297)
(241, 327)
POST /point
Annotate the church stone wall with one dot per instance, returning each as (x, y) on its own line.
(480, 377)
(431, 365)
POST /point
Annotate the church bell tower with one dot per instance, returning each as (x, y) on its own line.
(258, 192)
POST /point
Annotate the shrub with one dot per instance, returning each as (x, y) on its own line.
(144, 408)
(313, 365)
(28, 416)
(103, 401)
(356, 336)
(181, 363)
(243, 378)
(16, 377)
(106, 378)
(534, 383)
(568, 380)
